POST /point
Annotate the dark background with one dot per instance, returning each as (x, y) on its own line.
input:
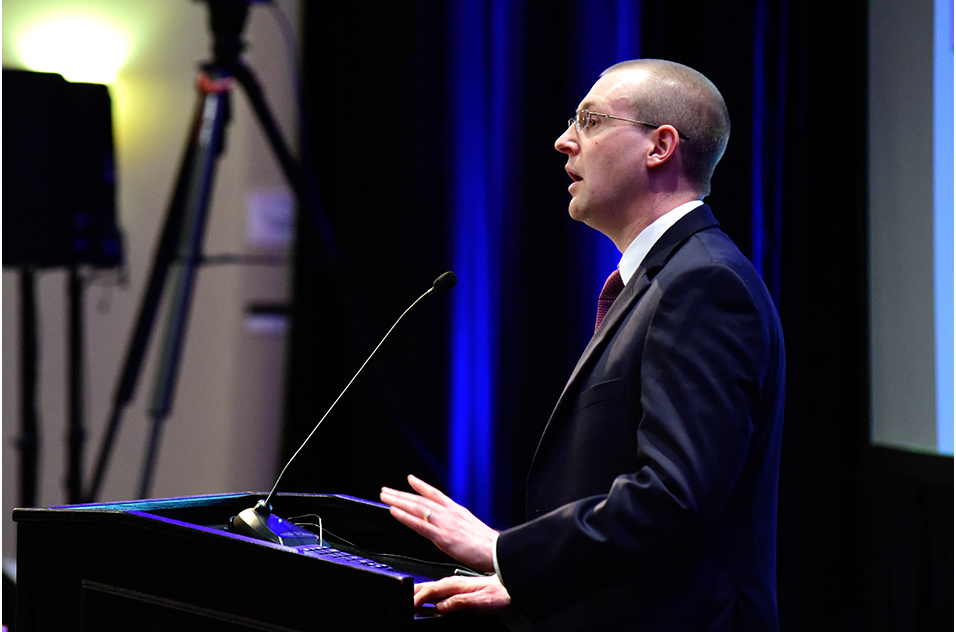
(865, 534)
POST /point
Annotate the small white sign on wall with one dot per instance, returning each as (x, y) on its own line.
(271, 218)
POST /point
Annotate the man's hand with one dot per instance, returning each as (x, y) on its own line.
(484, 594)
(452, 528)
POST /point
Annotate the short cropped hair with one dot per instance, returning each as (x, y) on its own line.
(674, 94)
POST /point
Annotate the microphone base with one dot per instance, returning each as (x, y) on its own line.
(265, 525)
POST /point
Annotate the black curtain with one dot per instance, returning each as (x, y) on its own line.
(377, 162)
(375, 90)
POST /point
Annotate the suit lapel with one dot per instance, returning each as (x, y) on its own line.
(697, 220)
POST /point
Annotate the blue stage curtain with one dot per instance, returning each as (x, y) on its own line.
(767, 146)
(481, 78)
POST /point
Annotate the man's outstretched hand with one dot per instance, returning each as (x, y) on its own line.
(451, 527)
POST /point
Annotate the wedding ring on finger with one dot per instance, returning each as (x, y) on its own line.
(428, 514)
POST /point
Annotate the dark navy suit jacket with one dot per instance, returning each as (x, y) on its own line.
(652, 496)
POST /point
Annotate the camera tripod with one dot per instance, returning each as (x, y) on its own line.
(179, 248)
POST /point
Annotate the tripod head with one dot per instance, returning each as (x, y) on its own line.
(227, 20)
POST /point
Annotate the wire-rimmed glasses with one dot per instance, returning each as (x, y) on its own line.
(582, 120)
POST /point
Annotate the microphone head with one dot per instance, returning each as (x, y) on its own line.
(445, 282)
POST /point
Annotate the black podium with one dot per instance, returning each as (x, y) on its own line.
(172, 564)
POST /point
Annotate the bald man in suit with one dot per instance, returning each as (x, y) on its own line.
(652, 497)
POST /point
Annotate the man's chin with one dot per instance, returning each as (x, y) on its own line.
(576, 212)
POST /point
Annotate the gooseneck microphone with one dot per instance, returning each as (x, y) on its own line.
(259, 521)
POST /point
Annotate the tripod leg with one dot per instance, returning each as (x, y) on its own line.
(299, 178)
(215, 113)
(290, 168)
(29, 435)
(77, 436)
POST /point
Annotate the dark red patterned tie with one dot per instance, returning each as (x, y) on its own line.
(612, 287)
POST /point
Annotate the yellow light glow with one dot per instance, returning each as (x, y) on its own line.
(80, 48)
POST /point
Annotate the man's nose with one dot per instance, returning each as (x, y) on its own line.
(567, 142)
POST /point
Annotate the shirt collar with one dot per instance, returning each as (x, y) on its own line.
(634, 254)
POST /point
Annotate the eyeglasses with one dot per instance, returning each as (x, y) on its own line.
(582, 120)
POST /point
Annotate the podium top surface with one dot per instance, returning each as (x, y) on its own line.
(179, 558)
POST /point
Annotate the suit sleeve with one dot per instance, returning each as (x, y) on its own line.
(701, 369)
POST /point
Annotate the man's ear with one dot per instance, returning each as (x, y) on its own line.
(666, 140)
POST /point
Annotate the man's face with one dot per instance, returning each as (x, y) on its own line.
(606, 160)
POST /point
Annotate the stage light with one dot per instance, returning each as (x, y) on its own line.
(81, 48)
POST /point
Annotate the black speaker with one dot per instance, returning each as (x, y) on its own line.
(59, 185)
